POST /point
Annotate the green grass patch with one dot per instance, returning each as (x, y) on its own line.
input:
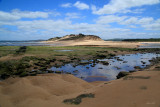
(6, 50)
(78, 99)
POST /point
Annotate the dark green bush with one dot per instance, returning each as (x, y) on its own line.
(78, 99)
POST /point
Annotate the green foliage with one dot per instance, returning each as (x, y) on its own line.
(21, 50)
(23, 74)
(6, 50)
(78, 99)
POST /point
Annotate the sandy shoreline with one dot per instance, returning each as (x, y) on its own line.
(50, 90)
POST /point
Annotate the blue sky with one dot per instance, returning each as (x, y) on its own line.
(43, 19)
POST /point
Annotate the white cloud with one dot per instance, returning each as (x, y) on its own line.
(140, 21)
(132, 26)
(29, 14)
(51, 28)
(72, 15)
(110, 19)
(147, 22)
(17, 14)
(115, 6)
(66, 5)
(153, 26)
(47, 27)
(131, 20)
(5, 16)
(81, 6)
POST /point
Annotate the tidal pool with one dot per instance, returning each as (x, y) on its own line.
(100, 71)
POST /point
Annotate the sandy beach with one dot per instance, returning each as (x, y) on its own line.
(139, 89)
(51, 89)
(96, 43)
(79, 53)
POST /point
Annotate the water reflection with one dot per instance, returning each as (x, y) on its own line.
(150, 45)
(100, 72)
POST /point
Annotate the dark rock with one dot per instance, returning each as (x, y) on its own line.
(137, 67)
(104, 62)
(122, 74)
(100, 68)
(132, 71)
(75, 71)
(58, 72)
(87, 67)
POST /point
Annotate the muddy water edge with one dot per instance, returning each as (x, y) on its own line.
(88, 63)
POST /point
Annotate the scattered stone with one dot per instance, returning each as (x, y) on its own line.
(58, 72)
(100, 68)
(137, 67)
(76, 71)
(124, 61)
(132, 71)
(87, 67)
(143, 62)
(50, 71)
(117, 67)
(104, 62)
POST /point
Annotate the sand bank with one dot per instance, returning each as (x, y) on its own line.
(98, 43)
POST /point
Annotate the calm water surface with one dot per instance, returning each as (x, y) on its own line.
(26, 43)
(150, 45)
(99, 72)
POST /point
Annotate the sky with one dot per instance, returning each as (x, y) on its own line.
(109, 19)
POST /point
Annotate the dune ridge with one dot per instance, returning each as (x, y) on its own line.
(49, 90)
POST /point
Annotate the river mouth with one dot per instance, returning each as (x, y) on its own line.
(107, 69)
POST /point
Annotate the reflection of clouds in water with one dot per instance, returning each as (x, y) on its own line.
(110, 71)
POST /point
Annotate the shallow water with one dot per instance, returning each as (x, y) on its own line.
(26, 43)
(21, 43)
(99, 72)
(150, 45)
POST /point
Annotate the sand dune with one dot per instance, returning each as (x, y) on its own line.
(15, 92)
(98, 43)
(50, 90)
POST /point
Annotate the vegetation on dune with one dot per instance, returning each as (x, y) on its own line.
(75, 37)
